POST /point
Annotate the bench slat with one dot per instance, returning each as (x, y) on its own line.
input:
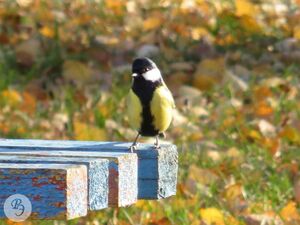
(56, 191)
(97, 174)
(122, 170)
(160, 166)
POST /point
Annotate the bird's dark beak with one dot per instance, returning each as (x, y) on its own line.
(134, 74)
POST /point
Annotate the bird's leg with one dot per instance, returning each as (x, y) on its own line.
(162, 135)
(156, 144)
(134, 145)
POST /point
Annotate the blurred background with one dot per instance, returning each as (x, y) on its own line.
(232, 66)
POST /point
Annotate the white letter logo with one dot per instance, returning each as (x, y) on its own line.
(17, 207)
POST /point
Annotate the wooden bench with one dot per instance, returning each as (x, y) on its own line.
(66, 179)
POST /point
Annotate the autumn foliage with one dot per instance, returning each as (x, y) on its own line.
(233, 67)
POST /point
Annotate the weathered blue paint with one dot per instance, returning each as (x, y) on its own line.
(56, 191)
(160, 165)
(123, 187)
(97, 174)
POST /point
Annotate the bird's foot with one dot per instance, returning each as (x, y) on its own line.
(156, 146)
(133, 147)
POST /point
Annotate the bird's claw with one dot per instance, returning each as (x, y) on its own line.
(157, 146)
(133, 147)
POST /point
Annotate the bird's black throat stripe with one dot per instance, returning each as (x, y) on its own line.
(144, 89)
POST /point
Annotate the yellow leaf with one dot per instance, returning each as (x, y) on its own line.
(199, 32)
(212, 216)
(251, 134)
(263, 109)
(291, 134)
(47, 32)
(250, 24)
(152, 23)
(262, 92)
(244, 7)
(233, 191)
(29, 103)
(83, 19)
(11, 97)
(271, 144)
(83, 131)
(297, 32)
(290, 212)
(117, 6)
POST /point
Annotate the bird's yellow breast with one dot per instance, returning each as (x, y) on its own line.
(161, 107)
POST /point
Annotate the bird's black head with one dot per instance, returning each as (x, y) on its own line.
(142, 65)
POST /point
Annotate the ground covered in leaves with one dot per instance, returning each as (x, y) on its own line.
(233, 67)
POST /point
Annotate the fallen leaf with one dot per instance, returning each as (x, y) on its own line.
(11, 97)
(47, 32)
(162, 221)
(152, 23)
(263, 109)
(83, 131)
(291, 134)
(244, 7)
(198, 33)
(297, 32)
(262, 92)
(271, 144)
(233, 191)
(212, 216)
(28, 103)
(117, 6)
(250, 24)
(289, 212)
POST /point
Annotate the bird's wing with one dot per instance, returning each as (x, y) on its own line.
(168, 95)
(134, 110)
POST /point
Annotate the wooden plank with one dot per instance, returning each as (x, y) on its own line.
(97, 175)
(56, 191)
(159, 167)
(123, 187)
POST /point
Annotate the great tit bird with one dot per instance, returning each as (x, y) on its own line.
(150, 103)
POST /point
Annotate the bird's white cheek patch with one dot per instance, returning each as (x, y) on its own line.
(152, 75)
